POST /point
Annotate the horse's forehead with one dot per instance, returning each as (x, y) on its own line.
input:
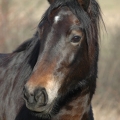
(57, 18)
(62, 14)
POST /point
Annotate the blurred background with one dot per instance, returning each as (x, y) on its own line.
(19, 20)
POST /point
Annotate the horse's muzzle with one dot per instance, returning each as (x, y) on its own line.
(35, 100)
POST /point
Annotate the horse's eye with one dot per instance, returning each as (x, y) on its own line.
(76, 40)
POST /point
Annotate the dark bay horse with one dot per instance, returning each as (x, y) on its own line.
(57, 67)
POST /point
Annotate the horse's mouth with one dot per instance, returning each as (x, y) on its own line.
(43, 112)
(40, 109)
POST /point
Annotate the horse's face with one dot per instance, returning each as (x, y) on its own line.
(62, 63)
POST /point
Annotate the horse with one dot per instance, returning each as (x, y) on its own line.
(57, 68)
(63, 81)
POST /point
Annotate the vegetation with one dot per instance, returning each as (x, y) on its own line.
(107, 97)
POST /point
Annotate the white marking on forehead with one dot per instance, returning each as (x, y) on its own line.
(56, 19)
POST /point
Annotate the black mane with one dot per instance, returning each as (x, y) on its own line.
(26, 45)
(90, 21)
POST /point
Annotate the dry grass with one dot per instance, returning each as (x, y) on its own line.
(107, 98)
(18, 21)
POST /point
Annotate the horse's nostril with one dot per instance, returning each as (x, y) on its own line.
(28, 96)
(38, 97)
(41, 97)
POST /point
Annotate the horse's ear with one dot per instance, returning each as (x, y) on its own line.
(85, 4)
(51, 1)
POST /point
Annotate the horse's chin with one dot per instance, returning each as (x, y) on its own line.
(44, 113)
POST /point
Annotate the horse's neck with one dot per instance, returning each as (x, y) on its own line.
(77, 109)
